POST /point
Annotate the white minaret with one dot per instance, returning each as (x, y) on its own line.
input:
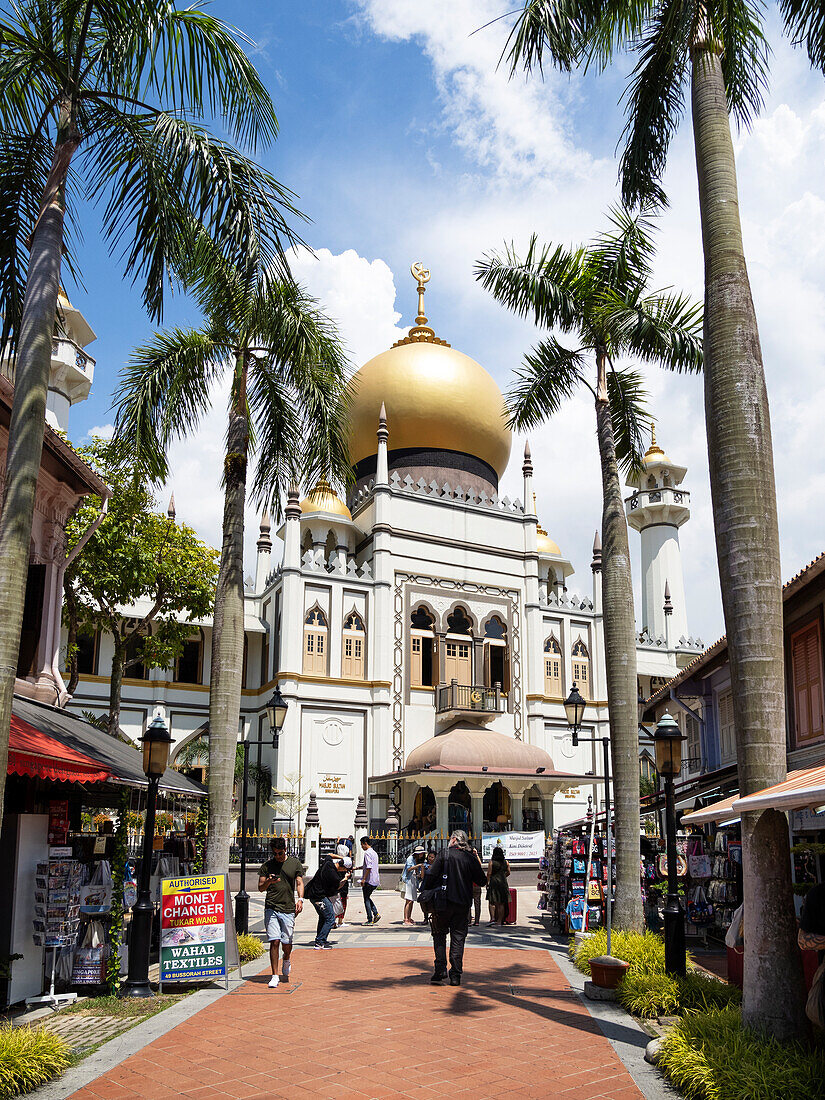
(657, 510)
(72, 370)
(264, 548)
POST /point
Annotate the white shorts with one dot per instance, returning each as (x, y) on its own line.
(279, 926)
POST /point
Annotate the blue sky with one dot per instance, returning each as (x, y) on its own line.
(403, 143)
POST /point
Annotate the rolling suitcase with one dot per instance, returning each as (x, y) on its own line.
(512, 910)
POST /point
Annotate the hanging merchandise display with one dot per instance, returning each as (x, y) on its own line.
(57, 885)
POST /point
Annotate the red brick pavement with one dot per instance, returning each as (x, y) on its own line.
(365, 1024)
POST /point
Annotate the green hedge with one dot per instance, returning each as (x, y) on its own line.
(648, 995)
(249, 948)
(645, 951)
(708, 1056)
(29, 1056)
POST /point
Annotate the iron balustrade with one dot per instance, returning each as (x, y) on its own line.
(471, 697)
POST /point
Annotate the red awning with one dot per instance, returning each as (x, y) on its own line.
(36, 754)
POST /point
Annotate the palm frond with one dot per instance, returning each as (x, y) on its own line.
(738, 23)
(627, 400)
(549, 375)
(569, 30)
(164, 392)
(655, 101)
(805, 24)
(24, 167)
(545, 285)
(155, 173)
(279, 427)
(663, 328)
(621, 257)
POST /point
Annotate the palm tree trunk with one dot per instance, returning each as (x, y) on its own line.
(743, 491)
(28, 418)
(620, 666)
(227, 640)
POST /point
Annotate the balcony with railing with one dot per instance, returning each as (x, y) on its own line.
(455, 700)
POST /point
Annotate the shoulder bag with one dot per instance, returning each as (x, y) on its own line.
(435, 897)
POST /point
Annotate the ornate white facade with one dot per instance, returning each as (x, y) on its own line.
(408, 626)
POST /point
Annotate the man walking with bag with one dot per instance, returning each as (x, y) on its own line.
(448, 891)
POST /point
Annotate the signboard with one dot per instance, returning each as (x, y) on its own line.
(332, 784)
(193, 914)
(58, 821)
(515, 845)
(807, 820)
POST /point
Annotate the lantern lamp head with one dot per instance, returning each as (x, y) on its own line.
(276, 711)
(574, 706)
(668, 739)
(156, 742)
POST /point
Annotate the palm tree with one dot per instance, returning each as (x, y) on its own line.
(600, 294)
(286, 372)
(717, 49)
(100, 100)
(195, 753)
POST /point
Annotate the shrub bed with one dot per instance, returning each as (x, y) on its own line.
(29, 1056)
(249, 948)
(645, 951)
(708, 1056)
(648, 995)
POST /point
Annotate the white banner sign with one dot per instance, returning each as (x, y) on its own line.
(515, 845)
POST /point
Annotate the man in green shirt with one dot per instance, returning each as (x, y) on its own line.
(281, 876)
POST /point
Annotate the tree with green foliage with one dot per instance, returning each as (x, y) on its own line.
(715, 52)
(195, 753)
(136, 554)
(285, 367)
(601, 294)
(102, 109)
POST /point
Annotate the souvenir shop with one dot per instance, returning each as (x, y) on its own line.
(573, 875)
(70, 847)
(713, 887)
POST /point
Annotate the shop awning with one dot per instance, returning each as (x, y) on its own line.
(800, 789)
(120, 763)
(34, 753)
(716, 811)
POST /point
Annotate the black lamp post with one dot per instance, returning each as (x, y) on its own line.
(574, 706)
(668, 741)
(156, 742)
(275, 713)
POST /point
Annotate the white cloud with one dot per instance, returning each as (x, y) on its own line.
(102, 431)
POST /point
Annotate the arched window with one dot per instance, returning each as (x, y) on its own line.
(306, 544)
(552, 668)
(422, 649)
(496, 654)
(189, 665)
(581, 668)
(458, 622)
(353, 646)
(458, 655)
(315, 642)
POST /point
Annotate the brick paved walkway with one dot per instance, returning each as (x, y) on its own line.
(366, 1024)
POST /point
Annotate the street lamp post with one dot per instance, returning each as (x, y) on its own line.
(574, 706)
(156, 742)
(275, 713)
(668, 741)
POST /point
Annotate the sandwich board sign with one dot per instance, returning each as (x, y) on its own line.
(197, 937)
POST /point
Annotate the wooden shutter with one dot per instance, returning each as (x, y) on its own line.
(486, 673)
(506, 682)
(806, 660)
(416, 646)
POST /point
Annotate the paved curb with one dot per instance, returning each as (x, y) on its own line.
(120, 1048)
(620, 1029)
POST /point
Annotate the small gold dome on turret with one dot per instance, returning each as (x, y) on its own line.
(654, 453)
(323, 498)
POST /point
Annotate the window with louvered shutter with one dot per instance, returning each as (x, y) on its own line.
(727, 736)
(806, 662)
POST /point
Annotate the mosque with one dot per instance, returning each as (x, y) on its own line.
(423, 633)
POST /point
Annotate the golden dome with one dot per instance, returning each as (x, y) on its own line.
(545, 544)
(323, 498)
(436, 398)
